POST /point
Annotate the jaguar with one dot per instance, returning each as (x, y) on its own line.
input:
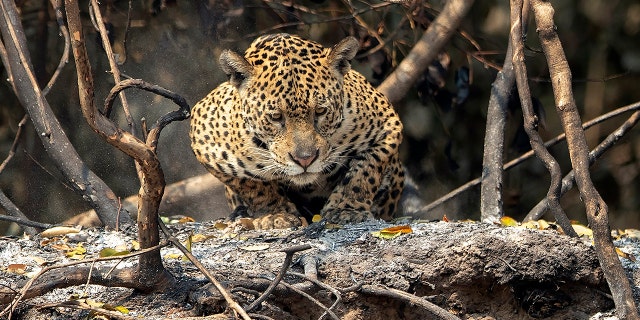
(296, 132)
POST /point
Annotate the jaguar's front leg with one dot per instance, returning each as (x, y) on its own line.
(371, 187)
(263, 201)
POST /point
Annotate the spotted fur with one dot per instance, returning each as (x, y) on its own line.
(296, 132)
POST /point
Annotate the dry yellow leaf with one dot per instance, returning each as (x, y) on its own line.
(76, 253)
(582, 230)
(17, 268)
(220, 225)
(530, 225)
(198, 237)
(625, 255)
(186, 219)
(543, 224)
(508, 221)
(392, 232)
(58, 231)
(173, 256)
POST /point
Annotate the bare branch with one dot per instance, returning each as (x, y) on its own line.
(115, 71)
(150, 267)
(14, 145)
(531, 119)
(434, 311)
(283, 270)
(396, 85)
(491, 208)
(597, 152)
(57, 7)
(597, 211)
(232, 303)
(56, 144)
(527, 155)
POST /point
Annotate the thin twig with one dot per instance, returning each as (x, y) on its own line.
(14, 145)
(94, 8)
(283, 270)
(433, 309)
(323, 285)
(259, 316)
(312, 299)
(125, 52)
(64, 59)
(569, 180)
(23, 221)
(527, 155)
(15, 214)
(228, 298)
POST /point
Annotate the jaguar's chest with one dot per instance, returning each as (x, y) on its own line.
(310, 199)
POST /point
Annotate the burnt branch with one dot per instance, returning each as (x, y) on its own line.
(283, 270)
(16, 216)
(596, 208)
(569, 180)
(178, 115)
(150, 268)
(396, 85)
(528, 155)
(176, 242)
(491, 208)
(70, 274)
(434, 311)
(531, 119)
(64, 59)
(83, 181)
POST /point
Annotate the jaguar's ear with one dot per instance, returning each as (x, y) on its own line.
(235, 66)
(342, 53)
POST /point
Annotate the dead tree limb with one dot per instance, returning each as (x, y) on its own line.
(491, 188)
(70, 274)
(14, 214)
(527, 155)
(56, 143)
(569, 179)
(396, 85)
(531, 119)
(176, 242)
(64, 59)
(150, 268)
(597, 211)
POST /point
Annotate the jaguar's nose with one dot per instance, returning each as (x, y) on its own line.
(304, 158)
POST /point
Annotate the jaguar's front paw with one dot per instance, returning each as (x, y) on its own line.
(279, 221)
(345, 216)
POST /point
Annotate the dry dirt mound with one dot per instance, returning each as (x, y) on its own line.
(468, 270)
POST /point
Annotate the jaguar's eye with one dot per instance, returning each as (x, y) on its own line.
(321, 110)
(275, 116)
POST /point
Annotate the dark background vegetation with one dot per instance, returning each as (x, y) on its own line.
(176, 44)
